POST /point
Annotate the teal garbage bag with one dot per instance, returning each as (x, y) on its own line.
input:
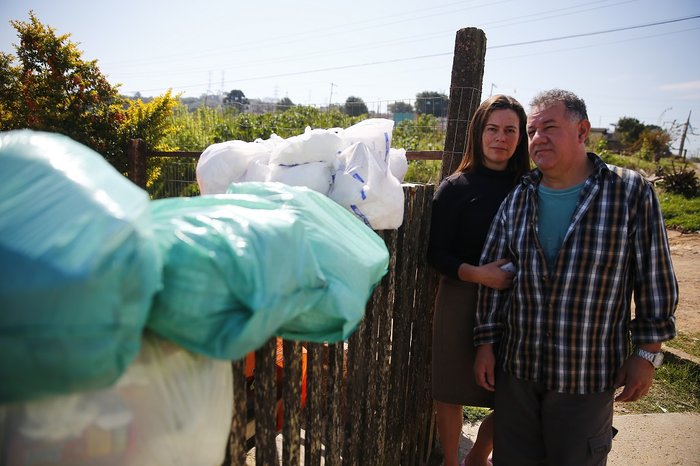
(264, 260)
(78, 267)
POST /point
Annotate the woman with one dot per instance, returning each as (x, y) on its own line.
(463, 207)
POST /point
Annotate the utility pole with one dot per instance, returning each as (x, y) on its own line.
(492, 86)
(330, 99)
(685, 131)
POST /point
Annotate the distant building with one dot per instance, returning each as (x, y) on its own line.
(611, 141)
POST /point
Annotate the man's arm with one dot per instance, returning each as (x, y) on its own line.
(656, 298)
(655, 284)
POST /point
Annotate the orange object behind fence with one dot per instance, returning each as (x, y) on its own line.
(279, 371)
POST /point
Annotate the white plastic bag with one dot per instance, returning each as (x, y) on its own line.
(258, 167)
(366, 187)
(398, 163)
(314, 175)
(315, 145)
(258, 170)
(374, 132)
(227, 162)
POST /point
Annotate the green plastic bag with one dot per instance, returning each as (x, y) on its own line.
(267, 259)
(78, 267)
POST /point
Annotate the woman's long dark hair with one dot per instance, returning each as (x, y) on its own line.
(519, 163)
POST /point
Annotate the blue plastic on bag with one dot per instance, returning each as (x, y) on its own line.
(78, 267)
(266, 259)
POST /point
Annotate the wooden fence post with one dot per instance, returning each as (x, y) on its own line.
(137, 153)
(465, 94)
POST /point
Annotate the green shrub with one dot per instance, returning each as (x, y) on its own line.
(472, 414)
(680, 213)
(683, 181)
(423, 171)
(195, 131)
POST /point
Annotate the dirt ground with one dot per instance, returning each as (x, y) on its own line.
(685, 252)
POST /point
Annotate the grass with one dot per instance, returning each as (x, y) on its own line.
(688, 343)
(680, 213)
(473, 414)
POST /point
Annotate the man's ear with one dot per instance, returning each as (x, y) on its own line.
(584, 129)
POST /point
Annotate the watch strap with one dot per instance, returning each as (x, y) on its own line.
(655, 359)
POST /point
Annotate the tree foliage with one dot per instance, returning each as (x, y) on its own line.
(355, 106)
(651, 141)
(628, 130)
(284, 104)
(400, 107)
(236, 98)
(433, 103)
(52, 88)
(49, 87)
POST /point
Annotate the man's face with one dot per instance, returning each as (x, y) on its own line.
(553, 137)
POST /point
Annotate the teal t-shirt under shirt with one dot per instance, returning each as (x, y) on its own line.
(556, 207)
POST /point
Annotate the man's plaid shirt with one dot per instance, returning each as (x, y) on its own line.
(571, 329)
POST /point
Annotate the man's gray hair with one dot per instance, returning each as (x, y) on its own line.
(575, 106)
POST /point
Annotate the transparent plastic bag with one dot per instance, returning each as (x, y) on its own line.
(171, 407)
(264, 259)
(351, 257)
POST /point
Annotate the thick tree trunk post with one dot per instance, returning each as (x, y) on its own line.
(136, 158)
(465, 94)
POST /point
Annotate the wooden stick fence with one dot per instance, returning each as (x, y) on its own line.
(368, 399)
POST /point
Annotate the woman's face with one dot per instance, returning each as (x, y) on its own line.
(500, 138)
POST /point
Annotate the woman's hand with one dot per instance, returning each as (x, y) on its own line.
(493, 276)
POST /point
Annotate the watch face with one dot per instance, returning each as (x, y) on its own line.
(658, 359)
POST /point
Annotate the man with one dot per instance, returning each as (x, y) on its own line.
(584, 238)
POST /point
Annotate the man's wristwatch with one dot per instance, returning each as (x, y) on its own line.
(654, 358)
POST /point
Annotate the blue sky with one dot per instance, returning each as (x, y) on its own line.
(317, 51)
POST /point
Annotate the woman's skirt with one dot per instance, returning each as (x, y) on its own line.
(453, 345)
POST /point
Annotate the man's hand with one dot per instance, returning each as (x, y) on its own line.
(484, 366)
(636, 375)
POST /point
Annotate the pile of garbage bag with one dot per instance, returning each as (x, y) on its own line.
(355, 166)
(119, 314)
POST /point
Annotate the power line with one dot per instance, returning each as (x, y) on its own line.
(441, 54)
(620, 41)
(350, 28)
(586, 34)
